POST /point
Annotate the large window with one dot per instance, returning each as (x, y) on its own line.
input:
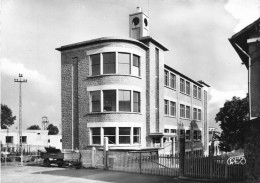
(136, 101)
(182, 110)
(136, 136)
(172, 108)
(172, 81)
(96, 135)
(9, 139)
(124, 135)
(124, 63)
(95, 64)
(166, 78)
(124, 100)
(109, 100)
(95, 101)
(109, 63)
(24, 139)
(187, 87)
(110, 133)
(182, 85)
(166, 107)
(136, 65)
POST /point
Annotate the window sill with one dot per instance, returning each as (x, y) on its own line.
(170, 87)
(169, 116)
(104, 75)
(185, 118)
(114, 112)
(197, 98)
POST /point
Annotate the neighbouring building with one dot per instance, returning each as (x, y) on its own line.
(120, 88)
(247, 44)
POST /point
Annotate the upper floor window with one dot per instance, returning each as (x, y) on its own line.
(124, 63)
(182, 110)
(195, 91)
(114, 100)
(95, 64)
(114, 63)
(182, 85)
(136, 65)
(199, 114)
(195, 113)
(9, 139)
(188, 112)
(187, 135)
(136, 101)
(199, 93)
(166, 78)
(166, 107)
(172, 108)
(109, 99)
(172, 80)
(187, 87)
(124, 100)
(109, 63)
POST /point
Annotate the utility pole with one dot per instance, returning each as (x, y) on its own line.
(20, 81)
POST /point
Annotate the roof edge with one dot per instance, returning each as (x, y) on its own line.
(148, 38)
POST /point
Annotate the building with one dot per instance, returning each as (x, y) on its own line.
(247, 44)
(120, 88)
(32, 140)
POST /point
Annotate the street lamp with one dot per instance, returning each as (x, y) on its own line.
(20, 80)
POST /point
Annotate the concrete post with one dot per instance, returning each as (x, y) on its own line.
(93, 157)
(106, 153)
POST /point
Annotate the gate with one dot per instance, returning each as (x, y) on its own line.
(144, 162)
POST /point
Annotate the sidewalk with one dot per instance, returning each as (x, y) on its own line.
(31, 174)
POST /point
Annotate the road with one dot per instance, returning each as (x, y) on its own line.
(38, 174)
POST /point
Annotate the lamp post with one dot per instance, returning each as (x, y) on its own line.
(20, 80)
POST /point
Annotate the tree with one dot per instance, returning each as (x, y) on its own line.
(7, 118)
(53, 130)
(233, 119)
(34, 127)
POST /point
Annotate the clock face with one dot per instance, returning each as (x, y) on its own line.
(145, 22)
(136, 21)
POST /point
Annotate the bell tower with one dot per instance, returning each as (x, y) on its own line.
(138, 24)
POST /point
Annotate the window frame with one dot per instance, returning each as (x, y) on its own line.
(91, 100)
(182, 111)
(115, 102)
(111, 135)
(195, 114)
(172, 108)
(124, 135)
(187, 89)
(129, 102)
(182, 85)
(138, 102)
(166, 107)
(99, 135)
(172, 82)
(187, 112)
(166, 78)
(123, 64)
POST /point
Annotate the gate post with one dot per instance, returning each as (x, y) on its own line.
(140, 162)
(106, 153)
(211, 161)
(93, 157)
(182, 153)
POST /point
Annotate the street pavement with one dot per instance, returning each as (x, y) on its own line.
(38, 174)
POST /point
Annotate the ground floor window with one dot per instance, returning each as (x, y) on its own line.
(9, 139)
(116, 135)
(24, 139)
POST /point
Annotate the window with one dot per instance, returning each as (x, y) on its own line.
(182, 110)
(136, 101)
(109, 100)
(172, 81)
(187, 135)
(24, 139)
(136, 65)
(96, 135)
(182, 85)
(95, 64)
(49, 140)
(95, 101)
(110, 133)
(199, 93)
(124, 135)
(9, 139)
(172, 108)
(187, 87)
(166, 130)
(199, 135)
(199, 114)
(173, 130)
(188, 112)
(166, 107)
(136, 136)
(195, 91)
(125, 100)
(60, 140)
(166, 78)
(109, 63)
(124, 63)
(195, 113)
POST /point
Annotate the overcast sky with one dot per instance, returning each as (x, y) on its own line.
(196, 33)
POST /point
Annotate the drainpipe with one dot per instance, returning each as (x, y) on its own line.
(249, 80)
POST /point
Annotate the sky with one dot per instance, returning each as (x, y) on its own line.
(196, 33)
